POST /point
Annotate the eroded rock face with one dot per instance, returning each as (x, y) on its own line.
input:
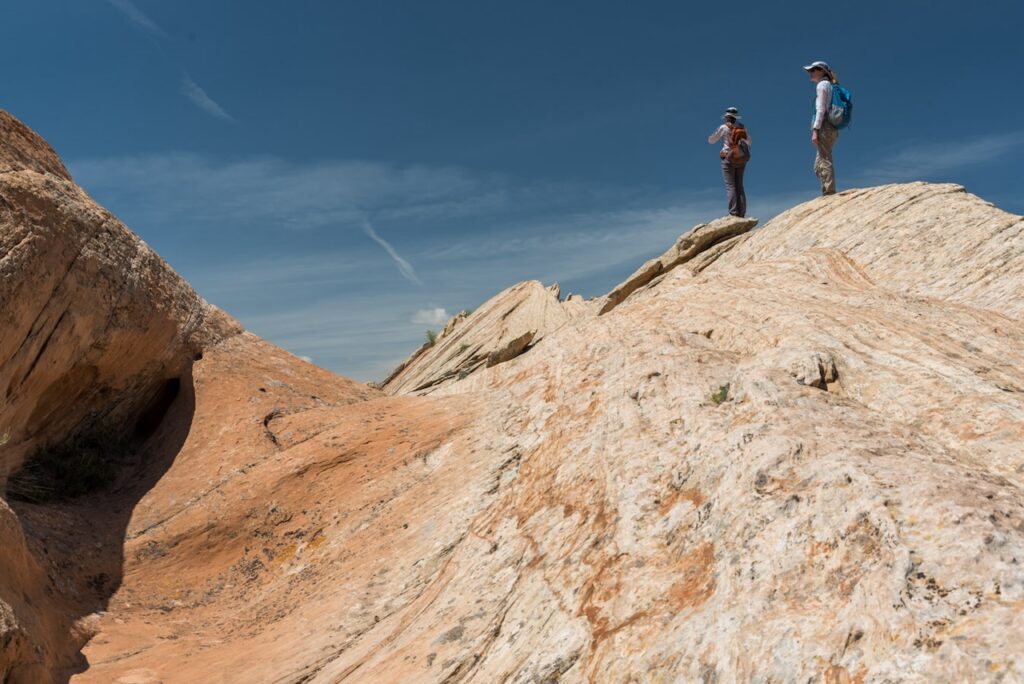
(502, 328)
(93, 321)
(94, 325)
(780, 469)
(702, 506)
(764, 464)
(515, 320)
(691, 244)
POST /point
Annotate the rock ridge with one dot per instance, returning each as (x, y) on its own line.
(513, 321)
(501, 329)
(793, 455)
(691, 244)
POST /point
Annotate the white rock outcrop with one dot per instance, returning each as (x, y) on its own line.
(502, 328)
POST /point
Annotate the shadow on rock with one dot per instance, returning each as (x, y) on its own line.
(78, 536)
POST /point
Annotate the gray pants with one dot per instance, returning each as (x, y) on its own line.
(733, 175)
(823, 167)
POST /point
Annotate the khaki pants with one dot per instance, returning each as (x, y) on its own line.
(823, 167)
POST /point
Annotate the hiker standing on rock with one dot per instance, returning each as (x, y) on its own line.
(735, 154)
(823, 133)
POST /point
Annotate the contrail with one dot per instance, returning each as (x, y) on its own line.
(192, 91)
(404, 267)
(189, 88)
(138, 17)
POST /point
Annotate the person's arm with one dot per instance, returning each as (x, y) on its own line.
(821, 103)
(822, 99)
(717, 135)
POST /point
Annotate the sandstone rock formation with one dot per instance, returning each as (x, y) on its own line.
(515, 320)
(501, 329)
(96, 331)
(708, 240)
(794, 457)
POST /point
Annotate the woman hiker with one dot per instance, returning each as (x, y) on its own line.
(823, 133)
(735, 154)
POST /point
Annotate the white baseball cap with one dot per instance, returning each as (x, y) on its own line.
(818, 65)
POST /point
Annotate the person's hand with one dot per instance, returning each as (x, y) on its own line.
(814, 137)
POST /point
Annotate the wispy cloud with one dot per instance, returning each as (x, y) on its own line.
(189, 88)
(199, 98)
(924, 161)
(284, 245)
(138, 17)
(274, 192)
(266, 192)
(434, 316)
(404, 267)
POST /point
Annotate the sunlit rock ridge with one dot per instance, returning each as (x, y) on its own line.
(785, 453)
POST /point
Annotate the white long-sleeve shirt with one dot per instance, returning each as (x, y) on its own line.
(822, 103)
(722, 133)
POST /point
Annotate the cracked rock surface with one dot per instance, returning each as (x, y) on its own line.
(794, 457)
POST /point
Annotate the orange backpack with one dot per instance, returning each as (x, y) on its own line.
(739, 147)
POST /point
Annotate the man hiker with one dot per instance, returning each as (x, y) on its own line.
(823, 133)
(735, 154)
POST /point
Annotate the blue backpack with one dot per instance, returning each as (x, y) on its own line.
(840, 114)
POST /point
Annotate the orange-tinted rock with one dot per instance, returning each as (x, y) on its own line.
(93, 328)
(765, 464)
(21, 149)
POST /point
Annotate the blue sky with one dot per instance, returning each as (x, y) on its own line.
(342, 175)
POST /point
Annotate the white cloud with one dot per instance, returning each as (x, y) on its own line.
(199, 98)
(436, 316)
(138, 17)
(323, 294)
(922, 161)
(404, 267)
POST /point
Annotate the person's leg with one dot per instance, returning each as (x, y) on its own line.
(729, 175)
(830, 185)
(823, 166)
(741, 193)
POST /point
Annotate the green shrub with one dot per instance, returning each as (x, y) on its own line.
(720, 395)
(431, 338)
